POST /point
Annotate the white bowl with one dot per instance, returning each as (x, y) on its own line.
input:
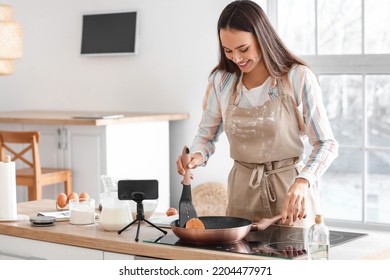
(149, 208)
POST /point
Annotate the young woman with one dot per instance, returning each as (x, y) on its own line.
(266, 100)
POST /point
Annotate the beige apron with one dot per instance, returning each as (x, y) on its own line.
(266, 147)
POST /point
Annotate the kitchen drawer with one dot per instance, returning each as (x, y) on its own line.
(22, 248)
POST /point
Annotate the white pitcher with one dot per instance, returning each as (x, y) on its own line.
(115, 213)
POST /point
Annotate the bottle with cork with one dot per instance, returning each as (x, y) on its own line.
(318, 238)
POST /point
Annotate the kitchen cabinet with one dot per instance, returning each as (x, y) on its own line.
(13, 248)
(21, 248)
(80, 148)
(133, 147)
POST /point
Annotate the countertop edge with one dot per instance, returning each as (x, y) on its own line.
(68, 117)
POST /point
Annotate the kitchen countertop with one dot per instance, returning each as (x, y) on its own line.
(81, 117)
(373, 246)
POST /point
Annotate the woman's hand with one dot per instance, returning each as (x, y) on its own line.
(295, 201)
(194, 161)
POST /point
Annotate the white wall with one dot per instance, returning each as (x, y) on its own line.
(177, 50)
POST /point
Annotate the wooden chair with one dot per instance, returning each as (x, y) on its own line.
(33, 176)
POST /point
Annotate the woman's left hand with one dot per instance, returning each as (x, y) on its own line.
(295, 201)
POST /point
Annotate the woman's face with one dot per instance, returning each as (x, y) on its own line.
(241, 47)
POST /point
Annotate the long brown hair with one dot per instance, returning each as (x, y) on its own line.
(245, 15)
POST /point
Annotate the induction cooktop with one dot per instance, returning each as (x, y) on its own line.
(275, 241)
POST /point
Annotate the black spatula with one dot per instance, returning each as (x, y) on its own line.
(186, 208)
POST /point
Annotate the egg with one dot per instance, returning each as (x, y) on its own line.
(171, 211)
(62, 200)
(73, 195)
(84, 196)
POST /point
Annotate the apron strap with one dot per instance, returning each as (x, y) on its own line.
(288, 87)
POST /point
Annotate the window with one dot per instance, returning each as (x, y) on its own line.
(347, 43)
(335, 27)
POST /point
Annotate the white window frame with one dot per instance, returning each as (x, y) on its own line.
(364, 64)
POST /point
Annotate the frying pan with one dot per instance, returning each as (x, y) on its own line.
(221, 229)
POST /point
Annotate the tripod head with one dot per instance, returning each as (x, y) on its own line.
(137, 196)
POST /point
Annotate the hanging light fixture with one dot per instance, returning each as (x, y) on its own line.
(10, 40)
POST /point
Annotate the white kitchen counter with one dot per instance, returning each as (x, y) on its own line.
(376, 245)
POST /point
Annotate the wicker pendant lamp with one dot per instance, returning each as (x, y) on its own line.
(10, 40)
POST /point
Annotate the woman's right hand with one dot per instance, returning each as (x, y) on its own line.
(194, 161)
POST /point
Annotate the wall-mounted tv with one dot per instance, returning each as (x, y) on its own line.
(110, 33)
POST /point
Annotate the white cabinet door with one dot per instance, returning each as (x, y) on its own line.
(80, 148)
(50, 144)
(85, 155)
(22, 248)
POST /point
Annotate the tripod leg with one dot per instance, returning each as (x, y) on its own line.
(153, 225)
(139, 224)
(123, 229)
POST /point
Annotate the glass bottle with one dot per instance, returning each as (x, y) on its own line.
(318, 240)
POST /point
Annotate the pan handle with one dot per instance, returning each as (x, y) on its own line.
(265, 223)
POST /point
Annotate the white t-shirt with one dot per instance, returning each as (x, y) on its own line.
(256, 96)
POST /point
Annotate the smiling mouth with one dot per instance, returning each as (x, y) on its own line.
(243, 64)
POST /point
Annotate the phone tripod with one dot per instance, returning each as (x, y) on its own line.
(139, 218)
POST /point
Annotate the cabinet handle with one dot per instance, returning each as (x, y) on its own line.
(59, 140)
(65, 139)
(62, 141)
(14, 256)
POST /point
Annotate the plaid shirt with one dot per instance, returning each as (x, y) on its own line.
(308, 98)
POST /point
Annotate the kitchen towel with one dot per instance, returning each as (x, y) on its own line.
(8, 210)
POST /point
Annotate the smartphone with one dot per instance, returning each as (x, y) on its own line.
(137, 190)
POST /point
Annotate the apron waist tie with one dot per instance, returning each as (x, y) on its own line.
(258, 174)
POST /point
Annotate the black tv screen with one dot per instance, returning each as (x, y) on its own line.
(109, 33)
